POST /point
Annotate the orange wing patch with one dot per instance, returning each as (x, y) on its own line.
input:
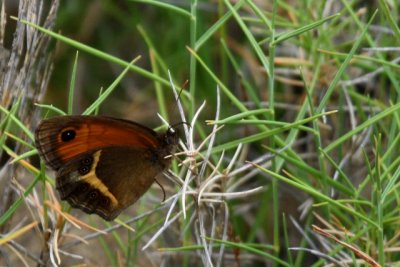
(61, 139)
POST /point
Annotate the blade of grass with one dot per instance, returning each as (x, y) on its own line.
(72, 85)
(371, 121)
(96, 52)
(344, 65)
(166, 6)
(251, 249)
(315, 193)
(108, 91)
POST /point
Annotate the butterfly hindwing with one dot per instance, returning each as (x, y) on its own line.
(99, 182)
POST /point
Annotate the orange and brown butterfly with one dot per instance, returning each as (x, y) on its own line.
(103, 164)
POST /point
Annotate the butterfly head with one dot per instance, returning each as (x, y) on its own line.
(171, 137)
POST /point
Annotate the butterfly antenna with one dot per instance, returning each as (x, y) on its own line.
(181, 90)
(173, 126)
(162, 188)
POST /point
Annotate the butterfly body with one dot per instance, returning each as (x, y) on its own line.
(103, 164)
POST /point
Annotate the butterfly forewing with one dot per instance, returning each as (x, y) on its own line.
(60, 139)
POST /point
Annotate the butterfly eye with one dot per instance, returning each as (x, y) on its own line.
(68, 135)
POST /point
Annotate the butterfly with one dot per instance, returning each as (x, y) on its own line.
(103, 164)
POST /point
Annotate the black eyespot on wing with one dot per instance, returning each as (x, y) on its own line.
(82, 187)
(87, 161)
(83, 170)
(85, 166)
(93, 194)
(68, 135)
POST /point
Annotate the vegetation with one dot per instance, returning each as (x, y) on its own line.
(292, 153)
